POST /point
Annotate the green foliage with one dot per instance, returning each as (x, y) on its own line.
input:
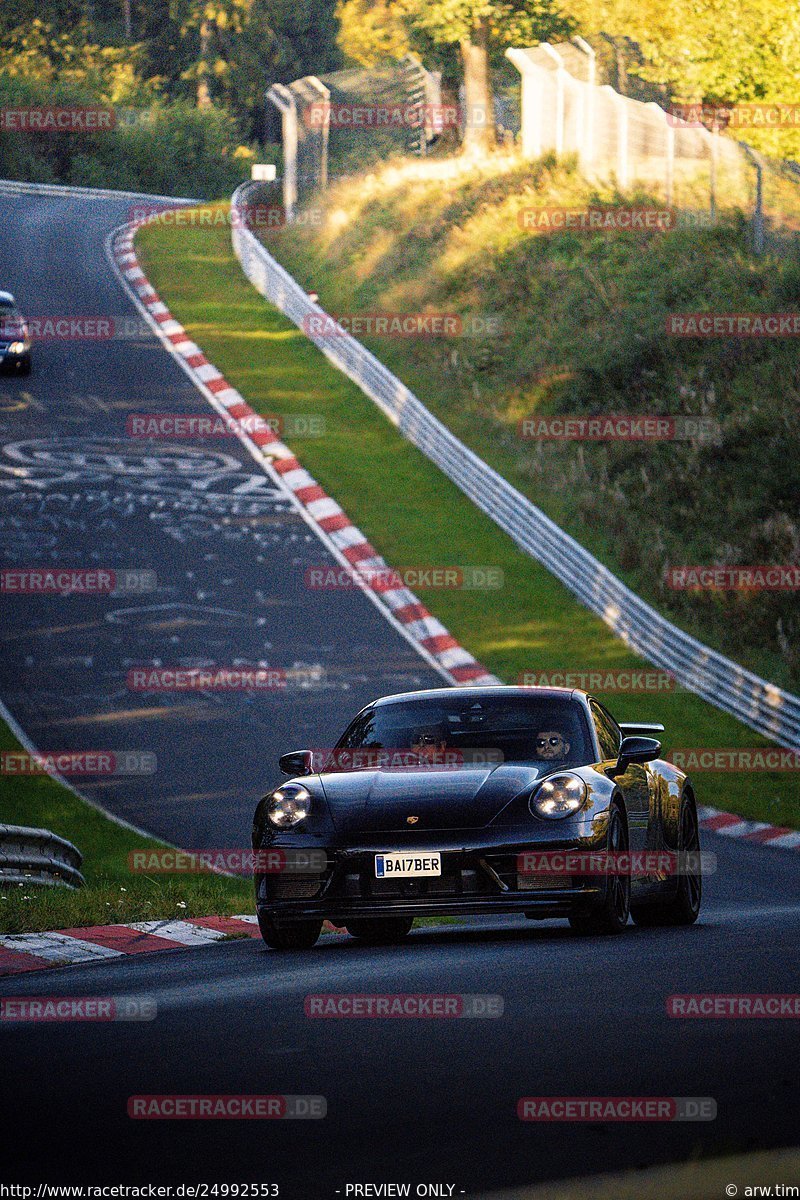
(112, 893)
(171, 149)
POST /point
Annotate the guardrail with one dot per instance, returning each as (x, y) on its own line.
(761, 705)
(38, 858)
(19, 188)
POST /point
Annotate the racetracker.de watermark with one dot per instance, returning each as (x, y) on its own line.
(735, 1005)
(73, 118)
(627, 427)
(223, 679)
(637, 864)
(738, 325)
(259, 217)
(418, 578)
(411, 1005)
(327, 326)
(740, 114)
(169, 426)
(629, 680)
(75, 581)
(227, 1108)
(380, 116)
(235, 861)
(48, 1009)
(770, 577)
(426, 757)
(596, 219)
(768, 758)
(617, 1108)
(78, 762)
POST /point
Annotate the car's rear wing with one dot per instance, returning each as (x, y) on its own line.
(640, 728)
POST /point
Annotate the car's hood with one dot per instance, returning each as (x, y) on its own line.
(469, 797)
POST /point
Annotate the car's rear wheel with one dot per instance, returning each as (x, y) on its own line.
(684, 907)
(299, 935)
(380, 930)
(612, 915)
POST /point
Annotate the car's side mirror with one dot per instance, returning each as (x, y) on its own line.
(297, 762)
(635, 750)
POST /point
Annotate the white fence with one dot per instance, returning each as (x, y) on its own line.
(759, 704)
(564, 110)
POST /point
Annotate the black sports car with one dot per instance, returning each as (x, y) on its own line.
(15, 341)
(477, 800)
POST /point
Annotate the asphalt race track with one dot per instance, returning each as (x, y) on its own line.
(228, 551)
(417, 1101)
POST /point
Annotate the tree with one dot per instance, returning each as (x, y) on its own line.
(471, 33)
(481, 29)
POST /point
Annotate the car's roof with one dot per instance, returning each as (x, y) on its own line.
(484, 693)
(7, 298)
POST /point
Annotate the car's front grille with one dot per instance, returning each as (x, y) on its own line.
(453, 882)
(287, 887)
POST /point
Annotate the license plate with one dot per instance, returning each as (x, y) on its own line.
(407, 866)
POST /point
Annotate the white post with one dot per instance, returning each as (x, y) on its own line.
(283, 100)
(560, 79)
(531, 101)
(587, 147)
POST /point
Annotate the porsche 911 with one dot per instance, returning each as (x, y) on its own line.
(478, 800)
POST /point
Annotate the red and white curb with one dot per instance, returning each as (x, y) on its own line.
(757, 832)
(63, 947)
(399, 605)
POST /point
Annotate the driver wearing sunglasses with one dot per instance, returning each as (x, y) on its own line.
(550, 744)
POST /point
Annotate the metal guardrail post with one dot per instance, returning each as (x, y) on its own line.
(757, 223)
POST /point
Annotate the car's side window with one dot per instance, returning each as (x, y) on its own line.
(609, 734)
(359, 732)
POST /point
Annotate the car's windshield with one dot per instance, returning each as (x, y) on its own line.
(490, 729)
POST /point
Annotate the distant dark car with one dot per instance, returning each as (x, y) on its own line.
(458, 801)
(15, 342)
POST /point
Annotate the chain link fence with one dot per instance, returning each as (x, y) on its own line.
(639, 145)
(346, 120)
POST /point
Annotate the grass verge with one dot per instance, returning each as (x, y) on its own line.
(113, 894)
(414, 515)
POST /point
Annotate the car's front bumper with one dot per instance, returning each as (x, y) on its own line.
(475, 880)
(10, 362)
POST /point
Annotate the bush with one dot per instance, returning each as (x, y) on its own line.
(170, 149)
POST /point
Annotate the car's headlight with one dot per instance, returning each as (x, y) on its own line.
(288, 805)
(558, 796)
(16, 348)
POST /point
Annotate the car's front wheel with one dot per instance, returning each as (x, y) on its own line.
(379, 931)
(24, 365)
(612, 915)
(299, 935)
